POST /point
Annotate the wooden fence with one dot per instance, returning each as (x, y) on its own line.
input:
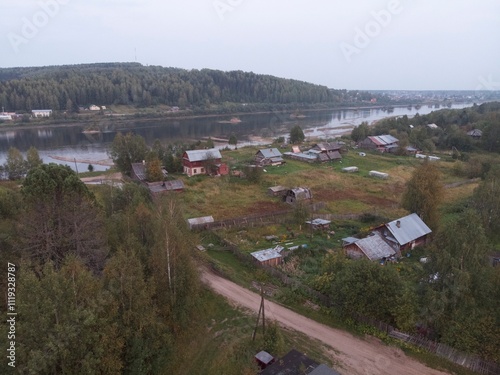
(275, 217)
(469, 361)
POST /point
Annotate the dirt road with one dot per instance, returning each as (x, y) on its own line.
(355, 356)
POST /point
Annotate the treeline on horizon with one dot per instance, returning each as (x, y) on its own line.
(70, 86)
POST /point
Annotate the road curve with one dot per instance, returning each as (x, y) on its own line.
(355, 355)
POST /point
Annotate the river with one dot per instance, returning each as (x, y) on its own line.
(67, 145)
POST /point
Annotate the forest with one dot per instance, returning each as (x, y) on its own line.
(104, 271)
(67, 88)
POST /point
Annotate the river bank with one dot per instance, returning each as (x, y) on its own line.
(100, 120)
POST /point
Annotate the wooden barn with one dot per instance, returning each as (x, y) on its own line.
(382, 143)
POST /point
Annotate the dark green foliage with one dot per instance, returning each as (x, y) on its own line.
(486, 200)
(423, 193)
(253, 174)
(128, 149)
(67, 324)
(233, 140)
(61, 218)
(296, 135)
(360, 132)
(15, 166)
(107, 84)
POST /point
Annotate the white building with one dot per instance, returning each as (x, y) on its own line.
(41, 112)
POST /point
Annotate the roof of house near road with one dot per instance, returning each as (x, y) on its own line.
(408, 228)
(374, 247)
(268, 254)
(200, 221)
(383, 140)
(264, 357)
(292, 363)
(323, 370)
(200, 155)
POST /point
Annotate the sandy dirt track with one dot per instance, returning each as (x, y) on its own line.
(355, 356)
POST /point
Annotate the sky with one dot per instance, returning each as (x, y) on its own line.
(357, 44)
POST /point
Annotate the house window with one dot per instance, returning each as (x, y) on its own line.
(202, 170)
(195, 171)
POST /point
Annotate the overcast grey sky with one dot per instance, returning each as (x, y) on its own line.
(358, 44)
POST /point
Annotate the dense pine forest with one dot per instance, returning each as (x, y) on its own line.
(68, 87)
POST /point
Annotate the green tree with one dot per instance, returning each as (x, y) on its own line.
(153, 169)
(233, 140)
(296, 135)
(360, 132)
(146, 335)
(15, 165)
(61, 217)
(128, 149)
(424, 192)
(486, 200)
(68, 323)
(33, 159)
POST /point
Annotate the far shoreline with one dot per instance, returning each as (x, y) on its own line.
(124, 119)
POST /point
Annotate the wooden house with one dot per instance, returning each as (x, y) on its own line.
(155, 187)
(207, 162)
(372, 247)
(405, 233)
(269, 156)
(328, 151)
(382, 143)
(298, 194)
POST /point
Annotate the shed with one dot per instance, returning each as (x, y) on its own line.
(198, 222)
(320, 224)
(297, 194)
(292, 363)
(350, 169)
(263, 359)
(269, 257)
(378, 174)
(277, 191)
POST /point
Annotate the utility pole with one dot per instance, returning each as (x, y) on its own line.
(261, 309)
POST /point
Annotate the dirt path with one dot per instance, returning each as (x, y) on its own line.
(115, 177)
(356, 356)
